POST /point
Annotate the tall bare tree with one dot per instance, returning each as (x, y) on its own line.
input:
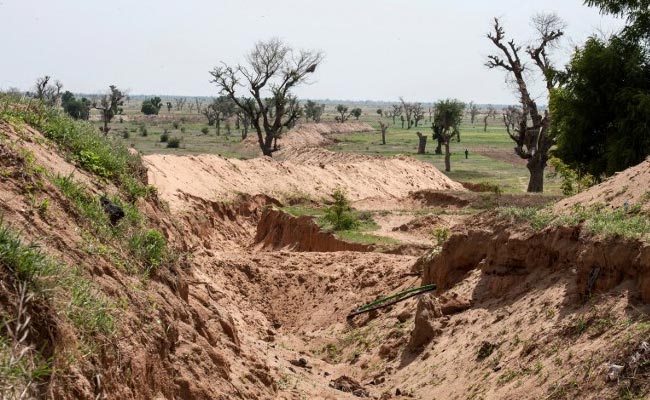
(49, 94)
(273, 68)
(180, 103)
(397, 112)
(199, 105)
(473, 111)
(418, 113)
(408, 112)
(490, 112)
(532, 134)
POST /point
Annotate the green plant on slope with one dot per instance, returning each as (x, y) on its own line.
(339, 215)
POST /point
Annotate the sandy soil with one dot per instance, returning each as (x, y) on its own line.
(630, 186)
(510, 318)
(216, 178)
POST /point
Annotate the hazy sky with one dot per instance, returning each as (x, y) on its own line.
(375, 49)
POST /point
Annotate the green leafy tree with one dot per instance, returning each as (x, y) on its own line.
(76, 108)
(637, 13)
(356, 113)
(151, 106)
(314, 111)
(446, 121)
(343, 113)
(602, 110)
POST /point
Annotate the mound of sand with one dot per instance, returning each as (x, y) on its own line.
(312, 134)
(213, 178)
(629, 186)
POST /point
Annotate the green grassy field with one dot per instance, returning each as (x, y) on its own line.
(491, 156)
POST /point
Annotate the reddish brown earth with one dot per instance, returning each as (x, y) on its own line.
(256, 305)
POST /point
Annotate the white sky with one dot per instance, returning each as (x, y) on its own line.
(375, 49)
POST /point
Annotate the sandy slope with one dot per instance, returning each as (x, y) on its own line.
(628, 186)
(316, 174)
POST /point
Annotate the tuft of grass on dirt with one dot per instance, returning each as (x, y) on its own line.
(39, 279)
(629, 222)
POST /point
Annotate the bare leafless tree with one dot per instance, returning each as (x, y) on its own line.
(408, 112)
(473, 111)
(49, 94)
(397, 112)
(418, 113)
(272, 68)
(180, 103)
(490, 112)
(531, 135)
(199, 105)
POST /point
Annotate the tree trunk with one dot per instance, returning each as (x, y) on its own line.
(422, 143)
(383, 136)
(447, 157)
(218, 125)
(536, 166)
(439, 146)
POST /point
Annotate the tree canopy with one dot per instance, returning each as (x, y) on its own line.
(272, 70)
(602, 110)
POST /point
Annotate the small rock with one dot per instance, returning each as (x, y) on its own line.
(614, 371)
(301, 362)
(404, 316)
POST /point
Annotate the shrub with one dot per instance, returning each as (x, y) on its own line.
(125, 133)
(182, 129)
(176, 124)
(143, 130)
(205, 130)
(339, 215)
(164, 137)
(173, 143)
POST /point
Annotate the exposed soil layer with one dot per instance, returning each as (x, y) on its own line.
(279, 230)
(255, 306)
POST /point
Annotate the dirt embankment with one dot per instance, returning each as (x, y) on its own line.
(216, 178)
(504, 253)
(567, 295)
(631, 186)
(310, 135)
(279, 230)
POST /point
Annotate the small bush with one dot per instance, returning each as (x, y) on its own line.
(173, 143)
(164, 137)
(182, 129)
(205, 130)
(339, 215)
(143, 130)
(125, 134)
(176, 124)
